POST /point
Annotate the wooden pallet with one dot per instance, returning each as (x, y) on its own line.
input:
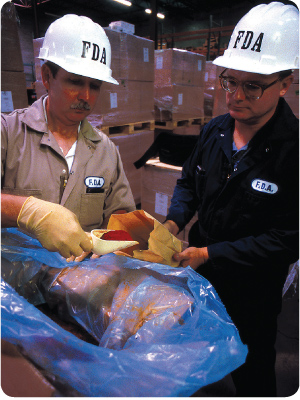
(170, 125)
(128, 129)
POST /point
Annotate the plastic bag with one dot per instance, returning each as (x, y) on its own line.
(163, 331)
(292, 281)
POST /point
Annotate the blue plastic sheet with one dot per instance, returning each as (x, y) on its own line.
(169, 336)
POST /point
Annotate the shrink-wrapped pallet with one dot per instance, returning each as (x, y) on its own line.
(178, 85)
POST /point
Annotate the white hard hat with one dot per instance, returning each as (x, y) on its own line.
(80, 46)
(265, 40)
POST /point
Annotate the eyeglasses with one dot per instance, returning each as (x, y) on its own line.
(251, 90)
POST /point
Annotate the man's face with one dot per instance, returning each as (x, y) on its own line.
(250, 111)
(71, 97)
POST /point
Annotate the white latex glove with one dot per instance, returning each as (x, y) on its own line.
(56, 227)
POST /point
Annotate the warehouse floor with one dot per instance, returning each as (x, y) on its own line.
(287, 345)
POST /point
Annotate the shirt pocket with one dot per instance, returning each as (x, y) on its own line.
(256, 208)
(91, 210)
(22, 192)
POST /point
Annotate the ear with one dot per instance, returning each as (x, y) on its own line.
(46, 75)
(285, 84)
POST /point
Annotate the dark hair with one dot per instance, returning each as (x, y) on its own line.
(54, 68)
(284, 74)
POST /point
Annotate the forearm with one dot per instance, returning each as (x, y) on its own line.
(256, 252)
(10, 209)
(172, 227)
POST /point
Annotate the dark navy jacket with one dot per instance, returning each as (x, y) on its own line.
(248, 217)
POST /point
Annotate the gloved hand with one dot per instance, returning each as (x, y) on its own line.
(56, 227)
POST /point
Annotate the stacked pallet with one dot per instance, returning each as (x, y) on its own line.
(178, 88)
(13, 82)
(125, 112)
(129, 104)
(214, 95)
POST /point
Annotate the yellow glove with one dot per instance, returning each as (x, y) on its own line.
(56, 227)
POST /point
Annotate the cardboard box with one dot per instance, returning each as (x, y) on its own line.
(132, 57)
(158, 183)
(177, 102)
(40, 89)
(121, 26)
(211, 74)
(11, 56)
(219, 107)
(180, 67)
(131, 148)
(178, 85)
(188, 130)
(15, 83)
(37, 44)
(214, 99)
(296, 76)
(129, 102)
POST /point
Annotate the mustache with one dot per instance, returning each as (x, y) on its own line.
(80, 106)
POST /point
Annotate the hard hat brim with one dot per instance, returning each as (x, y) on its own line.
(242, 64)
(89, 72)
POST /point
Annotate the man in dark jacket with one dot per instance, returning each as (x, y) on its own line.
(242, 180)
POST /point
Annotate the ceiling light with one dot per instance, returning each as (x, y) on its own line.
(125, 2)
(159, 15)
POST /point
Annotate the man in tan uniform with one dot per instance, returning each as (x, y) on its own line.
(60, 176)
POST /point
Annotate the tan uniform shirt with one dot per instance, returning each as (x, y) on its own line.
(32, 164)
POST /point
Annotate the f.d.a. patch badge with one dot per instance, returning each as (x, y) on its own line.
(264, 186)
(94, 184)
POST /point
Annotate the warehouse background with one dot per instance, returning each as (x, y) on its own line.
(200, 26)
(162, 89)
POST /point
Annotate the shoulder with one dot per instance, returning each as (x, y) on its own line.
(14, 115)
(97, 136)
(32, 116)
(222, 122)
(286, 124)
(10, 123)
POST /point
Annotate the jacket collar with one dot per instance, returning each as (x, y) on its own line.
(35, 119)
(282, 127)
(283, 118)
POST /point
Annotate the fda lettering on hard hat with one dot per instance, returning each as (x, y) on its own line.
(265, 40)
(80, 46)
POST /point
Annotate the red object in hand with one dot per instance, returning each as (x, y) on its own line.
(116, 235)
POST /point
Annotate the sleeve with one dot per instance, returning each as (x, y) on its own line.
(119, 196)
(269, 247)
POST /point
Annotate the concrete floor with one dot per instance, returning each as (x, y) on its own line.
(287, 346)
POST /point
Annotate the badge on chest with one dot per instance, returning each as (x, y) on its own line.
(94, 184)
(264, 186)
